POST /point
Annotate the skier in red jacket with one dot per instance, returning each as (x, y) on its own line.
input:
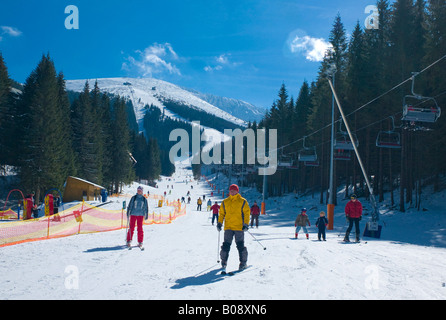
(353, 213)
(215, 208)
(255, 212)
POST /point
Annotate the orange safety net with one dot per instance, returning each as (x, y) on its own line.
(80, 219)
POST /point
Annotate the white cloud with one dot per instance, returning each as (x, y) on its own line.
(154, 59)
(9, 31)
(314, 49)
(222, 61)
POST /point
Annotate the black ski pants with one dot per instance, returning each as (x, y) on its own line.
(350, 227)
(240, 243)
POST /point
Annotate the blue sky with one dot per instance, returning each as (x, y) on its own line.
(241, 49)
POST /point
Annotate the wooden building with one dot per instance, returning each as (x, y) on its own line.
(77, 189)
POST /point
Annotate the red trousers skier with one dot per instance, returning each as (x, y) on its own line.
(139, 220)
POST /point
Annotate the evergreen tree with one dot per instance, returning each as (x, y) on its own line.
(42, 120)
(121, 162)
(303, 109)
(154, 159)
(5, 113)
(88, 149)
(68, 158)
(104, 116)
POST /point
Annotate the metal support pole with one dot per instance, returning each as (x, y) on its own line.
(375, 214)
(330, 206)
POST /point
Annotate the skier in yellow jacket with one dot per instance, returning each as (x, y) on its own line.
(234, 212)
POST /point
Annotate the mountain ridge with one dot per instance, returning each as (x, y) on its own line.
(151, 91)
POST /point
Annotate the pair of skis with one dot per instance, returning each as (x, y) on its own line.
(140, 246)
(231, 273)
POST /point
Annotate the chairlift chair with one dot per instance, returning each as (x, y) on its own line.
(342, 154)
(389, 139)
(285, 162)
(311, 163)
(307, 154)
(343, 141)
(417, 108)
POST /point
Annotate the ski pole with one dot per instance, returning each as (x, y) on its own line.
(127, 226)
(264, 248)
(343, 228)
(218, 247)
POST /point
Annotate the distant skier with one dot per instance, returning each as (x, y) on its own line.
(353, 213)
(199, 202)
(321, 223)
(137, 212)
(255, 212)
(215, 208)
(234, 212)
(301, 222)
(209, 204)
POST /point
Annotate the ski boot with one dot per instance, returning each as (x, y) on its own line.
(242, 266)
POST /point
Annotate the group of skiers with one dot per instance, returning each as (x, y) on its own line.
(234, 212)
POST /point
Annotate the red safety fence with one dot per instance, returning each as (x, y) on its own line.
(80, 219)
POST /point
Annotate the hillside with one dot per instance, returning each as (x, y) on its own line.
(151, 91)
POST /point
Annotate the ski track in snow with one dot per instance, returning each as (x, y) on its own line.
(180, 262)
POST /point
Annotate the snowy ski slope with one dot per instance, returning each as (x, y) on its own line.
(180, 259)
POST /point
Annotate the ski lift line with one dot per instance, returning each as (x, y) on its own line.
(362, 107)
(397, 86)
(375, 214)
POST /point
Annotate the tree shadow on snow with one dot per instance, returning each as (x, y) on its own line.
(199, 279)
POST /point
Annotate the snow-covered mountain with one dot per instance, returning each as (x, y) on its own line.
(150, 91)
(238, 108)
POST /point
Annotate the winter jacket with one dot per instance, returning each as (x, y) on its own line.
(138, 206)
(321, 223)
(353, 209)
(302, 220)
(199, 201)
(215, 208)
(255, 210)
(234, 211)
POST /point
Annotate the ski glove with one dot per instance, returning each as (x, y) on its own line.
(245, 227)
(219, 225)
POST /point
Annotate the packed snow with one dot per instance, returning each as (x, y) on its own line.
(180, 259)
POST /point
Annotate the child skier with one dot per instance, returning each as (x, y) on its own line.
(301, 222)
(209, 204)
(321, 223)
